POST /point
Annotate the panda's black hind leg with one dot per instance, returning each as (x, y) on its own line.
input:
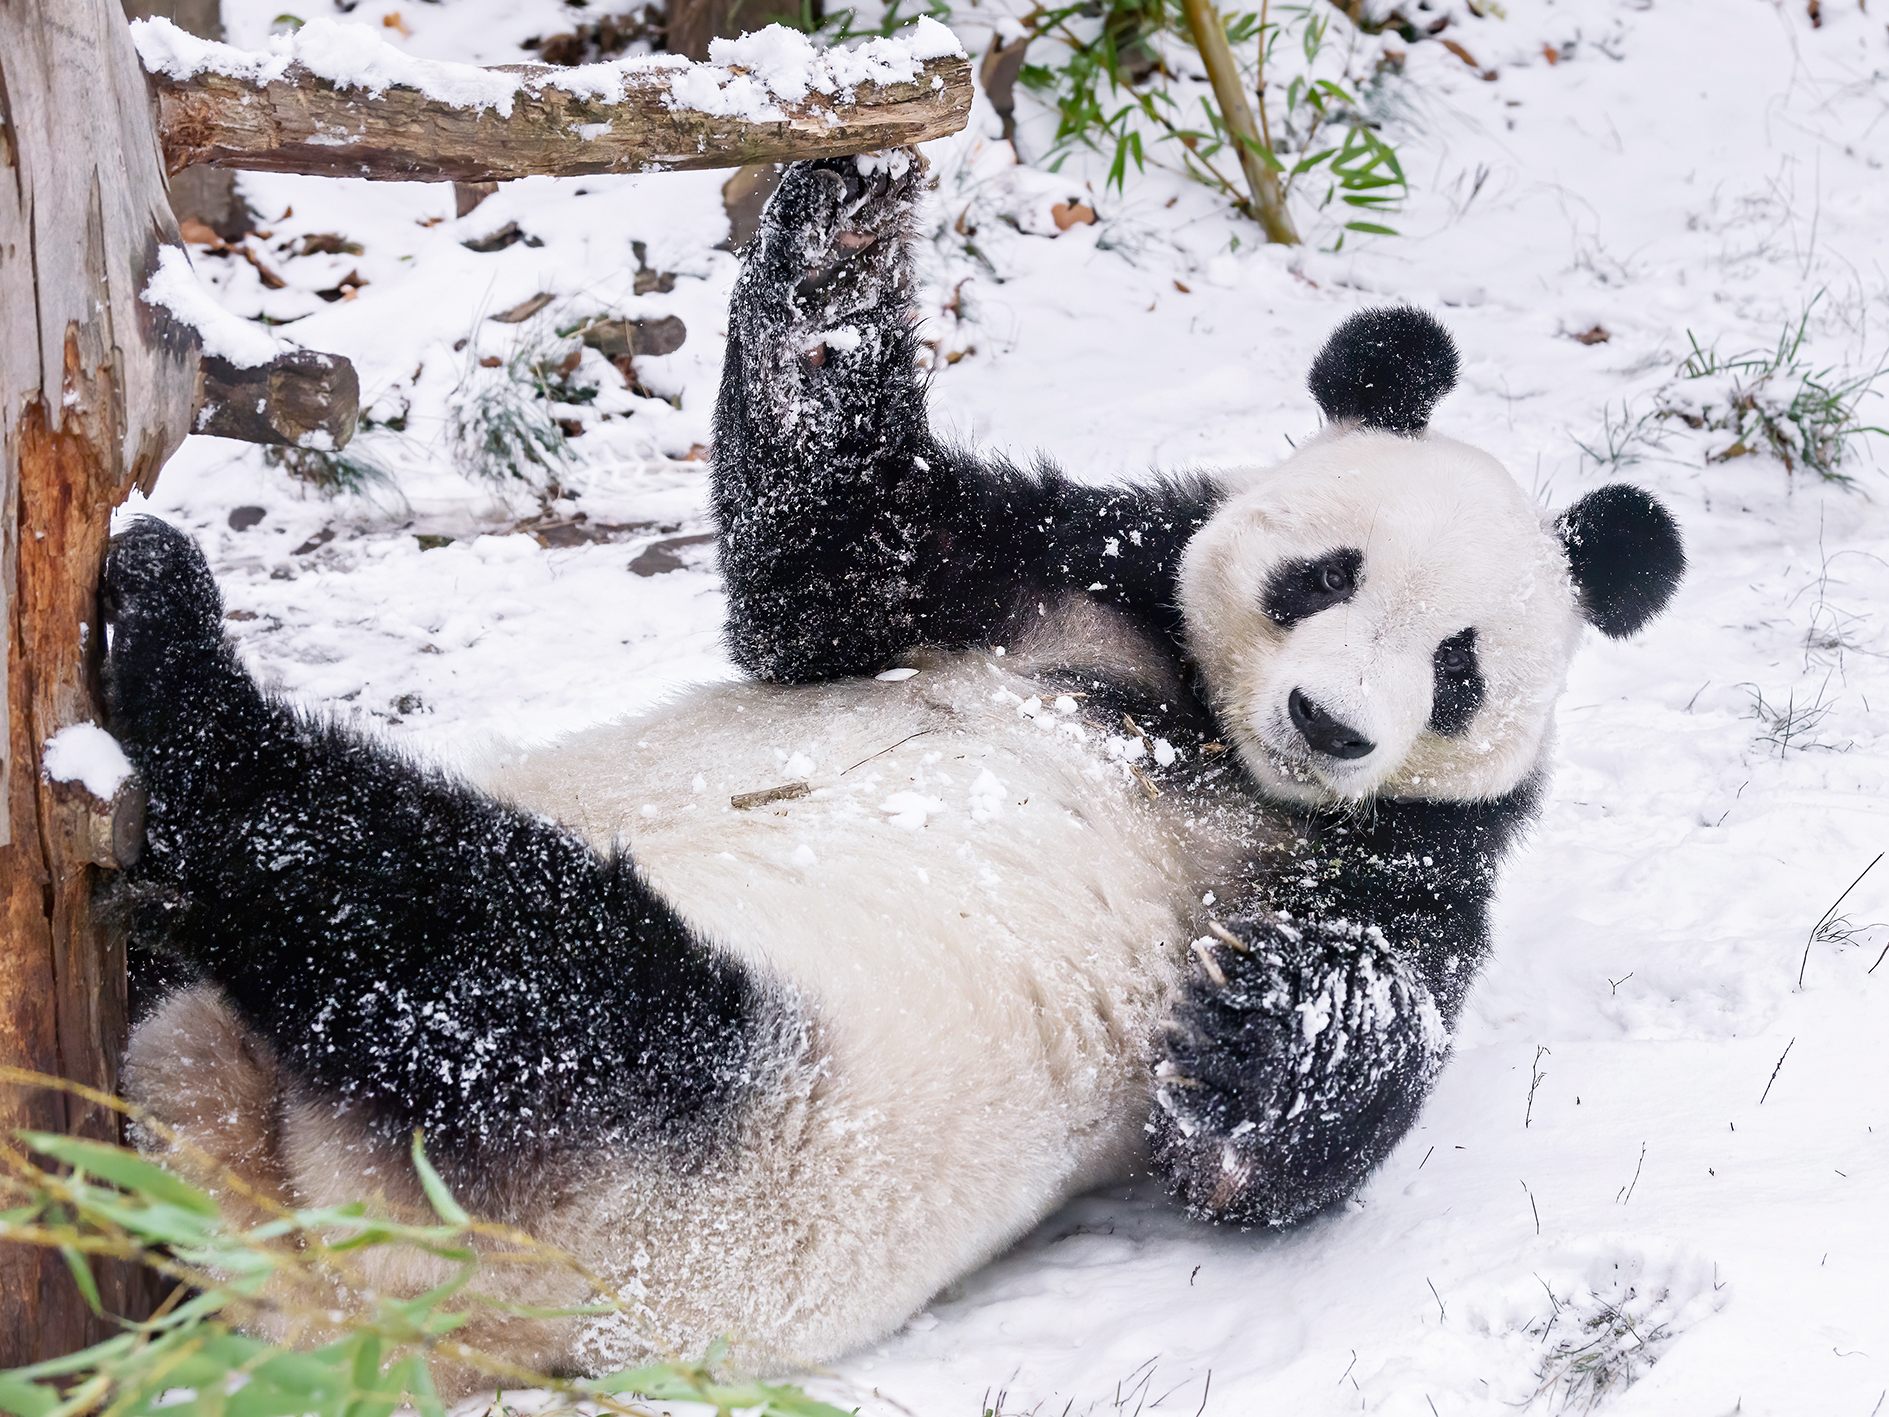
(1297, 1058)
(186, 712)
(403, 941)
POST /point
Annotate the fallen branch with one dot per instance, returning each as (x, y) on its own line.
(336, 100)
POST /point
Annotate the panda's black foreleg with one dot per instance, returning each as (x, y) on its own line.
(1297, 1057)
(848, 532)
(435, 956)
(1316, 1019)
(829, 490)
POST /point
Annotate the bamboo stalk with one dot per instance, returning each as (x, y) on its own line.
(1269, 202)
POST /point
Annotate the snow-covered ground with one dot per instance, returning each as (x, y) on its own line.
(1623, 1165)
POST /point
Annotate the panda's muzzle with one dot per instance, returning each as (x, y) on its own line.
(1325, 733)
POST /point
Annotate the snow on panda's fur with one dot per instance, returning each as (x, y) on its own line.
(1191, 873)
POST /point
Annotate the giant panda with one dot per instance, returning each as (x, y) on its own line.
(1060, 833)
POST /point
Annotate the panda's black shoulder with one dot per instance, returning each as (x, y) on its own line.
(1385, 368)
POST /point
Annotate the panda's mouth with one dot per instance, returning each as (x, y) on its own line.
(1279, 746)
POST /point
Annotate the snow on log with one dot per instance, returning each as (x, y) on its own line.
(86, 766)
(250, 384)
(337, 100)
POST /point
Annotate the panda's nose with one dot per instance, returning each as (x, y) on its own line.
(1328, 735)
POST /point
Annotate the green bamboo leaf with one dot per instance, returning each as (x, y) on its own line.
(81, 1271)
(99, 1355)
(1371, 228)
(416, 1381)
(122, 1168)
(437, 1195)
(156, 1222)
(20, 1398)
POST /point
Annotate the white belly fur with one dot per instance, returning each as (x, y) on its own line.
(984, 911)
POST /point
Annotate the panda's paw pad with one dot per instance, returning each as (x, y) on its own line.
(846, 218)
(164, 617)
(1288, 1037)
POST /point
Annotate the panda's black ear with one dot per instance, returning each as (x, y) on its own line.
(1385, 368)
(1625, 554)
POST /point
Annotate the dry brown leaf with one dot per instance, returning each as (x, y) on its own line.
(1597, 334)
(199, 233)
(1068, 214)
(525, 309)
(1551, 54)
(391, 20)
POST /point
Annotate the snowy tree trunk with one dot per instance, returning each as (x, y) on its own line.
(95, 392)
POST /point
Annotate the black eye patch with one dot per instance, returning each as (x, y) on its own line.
(1458, 687)
(1300, 589)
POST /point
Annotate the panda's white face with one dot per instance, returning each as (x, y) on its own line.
(1382, 615)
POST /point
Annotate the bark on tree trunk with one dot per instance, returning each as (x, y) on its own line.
(95, 392)
(205, 194)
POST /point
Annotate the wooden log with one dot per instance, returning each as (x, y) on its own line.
(300, 399)
(95, 393)
(206, 194)
(523, 120)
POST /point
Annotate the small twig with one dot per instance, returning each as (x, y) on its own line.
(883, 751)
(1534, 1082)
(1634, 1183)
(1441, 1313)
(786, 792)
(1778, 1069)
(1228, 938)
(1204, 953)
(1532, 1206)
(1824, 919)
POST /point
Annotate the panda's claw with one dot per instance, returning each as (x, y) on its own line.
(1307, 1052)
(846, 218)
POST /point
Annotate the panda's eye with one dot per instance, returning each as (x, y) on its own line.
(1299, 589)
(1458, 689)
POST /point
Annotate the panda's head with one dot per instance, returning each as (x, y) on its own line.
(1387, 613)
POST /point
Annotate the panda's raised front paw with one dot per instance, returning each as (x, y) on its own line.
(836, 227)
(165, 620)
(1297, 1056)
